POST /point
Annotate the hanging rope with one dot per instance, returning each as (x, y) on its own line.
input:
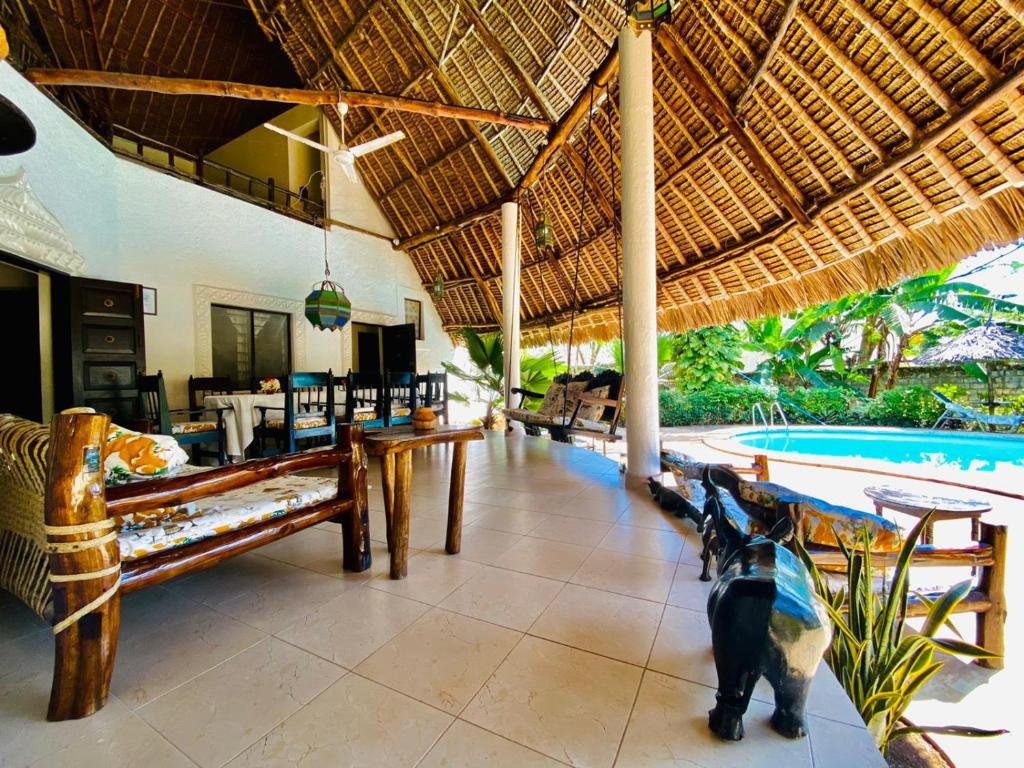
(530, 196)
(579, 246)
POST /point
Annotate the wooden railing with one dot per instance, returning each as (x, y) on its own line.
(208, 173)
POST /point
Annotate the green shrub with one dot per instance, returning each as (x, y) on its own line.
(904, 407)
(716, 404)
(706, 357)
(833, 405)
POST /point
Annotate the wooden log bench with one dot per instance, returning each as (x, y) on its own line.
(86, 524)
(816, 523)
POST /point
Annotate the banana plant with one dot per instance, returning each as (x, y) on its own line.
(881, 666)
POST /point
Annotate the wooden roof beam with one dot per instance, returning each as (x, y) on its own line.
(180, 86)
(496, 47)
(346, 38)
(787, 18)
(698, 76)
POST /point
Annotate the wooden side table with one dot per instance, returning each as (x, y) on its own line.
(919, 504)
(394, 447)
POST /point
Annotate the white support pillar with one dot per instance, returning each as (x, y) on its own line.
(510, 295)
(639, 264)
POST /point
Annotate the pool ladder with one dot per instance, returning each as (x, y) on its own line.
(757, 409)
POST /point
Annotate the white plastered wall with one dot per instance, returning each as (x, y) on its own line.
(134, 224)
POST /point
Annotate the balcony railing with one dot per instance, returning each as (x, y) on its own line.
(207, 173)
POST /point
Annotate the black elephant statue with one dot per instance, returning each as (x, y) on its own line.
(766, 620)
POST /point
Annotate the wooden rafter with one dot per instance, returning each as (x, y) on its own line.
(181, 86)
(766, 60)
(702, 82)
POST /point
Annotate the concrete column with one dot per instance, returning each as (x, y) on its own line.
(639, 265)
(510, 294)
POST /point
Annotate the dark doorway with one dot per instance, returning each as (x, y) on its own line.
(400, 347)
(368, 349)
(21, 391)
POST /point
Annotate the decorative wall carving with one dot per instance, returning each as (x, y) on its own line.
(205, 295)
(29, 230)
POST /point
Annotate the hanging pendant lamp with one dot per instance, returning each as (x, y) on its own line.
(16, 131)
(544, 234)
(327, 306)
(437, 288)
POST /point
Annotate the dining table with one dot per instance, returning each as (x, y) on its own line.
(241, 420)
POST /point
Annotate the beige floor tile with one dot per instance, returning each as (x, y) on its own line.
(355, 722)
(645, 514)
(503, 597)
(467, 746)
(128, 743)
(572, 530)
(594, 504)
(427, 532)
(688, 591)
(645, 542)
(166, 640)
(505, 518)
(26, 671)
(553, 559)
(17, 619)
(432, 577)
(442, 659)
(230, 579)
(275, 605)
(533, 500)
(484, 545)
(566, 703)
(313, 549)
(836, 745)
(669, 726)
(603, 622)
(218, 714)
(628, 575)
(683, 647)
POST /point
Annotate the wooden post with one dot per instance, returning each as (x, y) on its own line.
(992, 623)
(400, 516)
(355, 526)
(761, 465)
(453, 542)
(387, 486)
(84, 566)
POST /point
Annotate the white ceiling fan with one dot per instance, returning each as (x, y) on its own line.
(346, 155)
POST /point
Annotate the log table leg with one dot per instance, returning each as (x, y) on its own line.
(400, 515)
(387, 486)
(453, 542)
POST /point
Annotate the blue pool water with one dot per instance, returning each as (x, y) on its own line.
(953, 450)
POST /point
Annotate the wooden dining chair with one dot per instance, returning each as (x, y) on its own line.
(399, 397)
(307, 414)
(364, 400)
(193, 432)
(433, 393)
(200, 387)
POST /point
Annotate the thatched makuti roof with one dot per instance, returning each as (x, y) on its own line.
(986, 343)
(804, 148)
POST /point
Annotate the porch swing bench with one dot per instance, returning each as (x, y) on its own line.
(588, 406)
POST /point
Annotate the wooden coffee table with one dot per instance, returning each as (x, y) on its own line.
(919, 504)
(394, 447)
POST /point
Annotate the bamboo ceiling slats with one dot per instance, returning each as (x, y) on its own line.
(804, 148)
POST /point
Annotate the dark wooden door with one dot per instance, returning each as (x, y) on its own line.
(21, 388)
(103, 352)
(399, 348)
(368, 347)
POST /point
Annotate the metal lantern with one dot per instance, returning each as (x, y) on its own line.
(438, 287)
(544, 236)
(327, 306)
(647, 14)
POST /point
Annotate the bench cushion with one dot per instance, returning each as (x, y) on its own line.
(191, 427)
(310, 421)
(133, 455)
(172, 527)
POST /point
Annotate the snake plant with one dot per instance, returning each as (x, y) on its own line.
(880, 664)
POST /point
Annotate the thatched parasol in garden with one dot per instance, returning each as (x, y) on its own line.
(988, 343)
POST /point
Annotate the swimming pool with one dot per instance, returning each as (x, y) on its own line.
(965, 452)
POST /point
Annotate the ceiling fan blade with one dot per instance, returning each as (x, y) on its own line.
(347, 161)
(296, 137)
(374, 144)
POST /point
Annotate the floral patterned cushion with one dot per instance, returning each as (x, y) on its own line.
(133, 455)
(309, 421)
(528, 416)
(191, 427)
(364, 414)
(170, 527)
(398, 411)
(554, 400)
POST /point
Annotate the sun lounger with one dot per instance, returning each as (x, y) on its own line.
(957, 412)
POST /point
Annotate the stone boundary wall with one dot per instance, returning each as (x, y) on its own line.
(1007, 379)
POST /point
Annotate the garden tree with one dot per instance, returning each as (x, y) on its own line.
(706, 356)
(666, 356)
(486, 353)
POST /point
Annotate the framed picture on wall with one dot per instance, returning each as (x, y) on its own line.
(148, 301)
(414, 315)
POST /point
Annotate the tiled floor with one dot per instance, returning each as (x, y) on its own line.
(569, 631)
